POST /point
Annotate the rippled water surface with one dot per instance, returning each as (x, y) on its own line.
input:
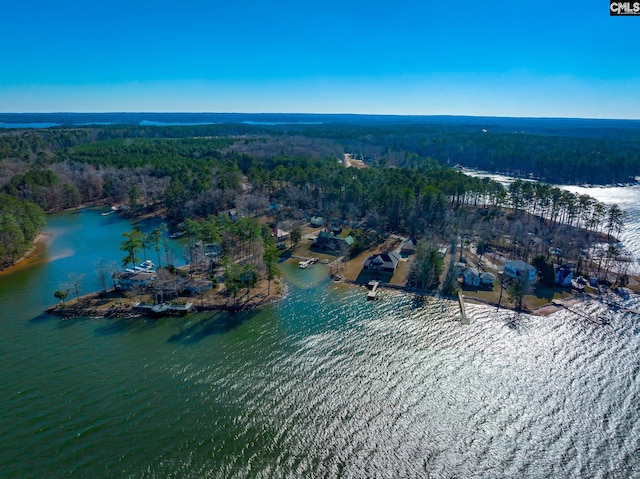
(323, 384)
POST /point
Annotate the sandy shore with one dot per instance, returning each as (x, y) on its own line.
(31, 257)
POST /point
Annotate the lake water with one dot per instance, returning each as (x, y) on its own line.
(323, 384)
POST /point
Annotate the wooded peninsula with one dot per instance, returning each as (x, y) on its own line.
(235, 187)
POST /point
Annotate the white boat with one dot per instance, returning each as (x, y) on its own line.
(145, 266)
(307, 262)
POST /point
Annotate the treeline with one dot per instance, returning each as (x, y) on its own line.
(197, 177)
(559, 156)
(20, 223)
(553, 159)
(570, 158)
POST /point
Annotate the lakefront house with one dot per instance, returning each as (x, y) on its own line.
(332, 244)
(381, 262)
(520, 270)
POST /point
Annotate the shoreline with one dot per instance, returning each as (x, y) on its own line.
(114, 304)
(29, 257)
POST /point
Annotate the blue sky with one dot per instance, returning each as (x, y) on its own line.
(541, 58)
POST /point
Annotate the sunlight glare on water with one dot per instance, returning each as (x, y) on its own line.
(323, 384)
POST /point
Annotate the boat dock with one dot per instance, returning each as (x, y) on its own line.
(163, 309)
(599, 320)
(463, 313)
(374, 289)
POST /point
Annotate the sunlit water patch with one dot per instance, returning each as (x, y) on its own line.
(322, 384)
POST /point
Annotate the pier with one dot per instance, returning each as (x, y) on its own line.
(163, 309)
(374, 290)
(599, 320)
(463, 313)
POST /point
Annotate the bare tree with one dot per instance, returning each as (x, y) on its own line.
(75, 284)
(104, 271)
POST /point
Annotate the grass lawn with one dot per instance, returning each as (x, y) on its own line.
(543, 295)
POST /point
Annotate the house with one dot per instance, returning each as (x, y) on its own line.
(487, 279)
(128, 280)
(381, 262)
(520, 270)
(280, 236)
(317, 221)
(408, 247)
(332, 244)
(564, 275)
(471, 277)
(196, 286)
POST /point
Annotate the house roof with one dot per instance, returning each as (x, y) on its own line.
(472, 271)
(520, 265)
(383, 260)
(135, 275)
(408, 245)
(317, 220)
(330, 236)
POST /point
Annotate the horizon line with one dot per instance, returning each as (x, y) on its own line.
(406, 115)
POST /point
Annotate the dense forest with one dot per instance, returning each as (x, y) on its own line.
(565, 154)
(406, 185)
(20, 222)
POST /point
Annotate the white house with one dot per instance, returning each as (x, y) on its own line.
(471, 277)
(520, 270)
(129, 280)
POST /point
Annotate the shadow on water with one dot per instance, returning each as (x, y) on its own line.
(419, 301)
(517, 322)
(44, 318)
(284, 256)
(125, 326)
(219, 323)
(63, 322)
